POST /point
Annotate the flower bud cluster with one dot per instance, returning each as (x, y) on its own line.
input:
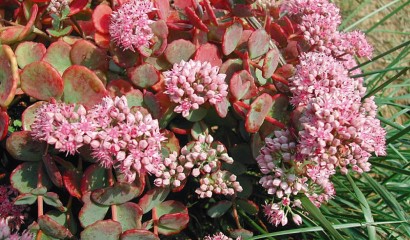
(171, 172)
(277, 212)
(219, 236)
(57, 6)
(129, 27)
(193, 83)
(119, 137)
(204, 157)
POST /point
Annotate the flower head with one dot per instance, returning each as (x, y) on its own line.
(8, 210)
(57, 6)
(129, 27)
(191, 84)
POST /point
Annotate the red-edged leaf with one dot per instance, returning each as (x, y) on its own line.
(163, 8)
(102, 17)
(119, 87)
(53, 228)
(72, 182)
(258, 43)
(242, 10)
(222, 107)
(4, 124)
(91, 212)
(21, 146)
(153, 198)
(29, 115)
(259, 109)
(76, 6)
(144, 76)
(171, 224)
(119, 193)
(179, 50)
(209, 53)
(102, 40)
(28, 52)
(195, 20)
(52, 170)
(270, 63)
(210, 12)
(85, 53)
(242, 85)
(94, 177)
(182, 4)
(9, 76)
(231, 38)
(129, 215)
(58, 55)
(107, 230)
(9, 35)
(138, 234)
(278, 34)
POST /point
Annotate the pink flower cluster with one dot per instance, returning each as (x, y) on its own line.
(193, 83)
(171, 172)
(129, 27)
(204, 157)
(57, 6)
(9, 212)
(5, 232)
(219, 236)
(337, 130)
(119, 137)
(318, 21)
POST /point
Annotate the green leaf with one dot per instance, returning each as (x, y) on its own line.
(219, 209)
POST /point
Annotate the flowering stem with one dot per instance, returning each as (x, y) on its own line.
(40, 210)
(155, 219)
(253, 223)
(113, 207)
(235, 215)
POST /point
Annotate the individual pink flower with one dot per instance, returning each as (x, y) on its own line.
(129, 27)
(193, 83)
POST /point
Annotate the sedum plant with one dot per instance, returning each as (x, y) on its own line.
(147, 119)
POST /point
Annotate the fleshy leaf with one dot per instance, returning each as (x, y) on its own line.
(140, 234)
(4, 124)
(123, 58)
(94, 177)
(117, 194)
(270, 63)
(53, 228)
(29, 115)
(144, 76)
(24, 177)
(52, 170)
(26, 198)
(153, 198)
(91, 212)
(219, 209)
(58, 55)
(259, 109)
(163, 8)
(248, 206)
(23, 147)
(242, 85)
(28, 52)
(119, 87)
(195, 20)
(9, 76)
(107, 230)
(41, 81)
(82, 86)
(179, 50)
(209, 53)
(231, 38)
(102, 18)
(258, 43)
(129, 215)
(85, 53)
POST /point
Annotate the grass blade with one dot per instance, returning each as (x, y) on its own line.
(383, 85)
(387, 17)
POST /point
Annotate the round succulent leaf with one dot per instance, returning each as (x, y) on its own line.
(94, 177)
(144, 76)
(163, 8)
(61, 32)
(129, 215)
(102, 17)
(52, 170)
(10, 35)
(248, 206)
(171, 224)
(21, 146)
(216, 33)
(85, 53)
(24, 177)
(9, 76)
(159, 28)
(279, 109)
(76, 6)
(29, 115)
(134, 98)
(119, 193)
(258, 43)
(28, 52)
(61, 218)
(179, 50)
(41, 81)
(259, 109)
(152, 198)
(123, 58)
(171, 142)
(4, 124)
(230, 67)
(170, 207)
(53, 228)
(270, 63)
(58, 55)
(119, 87)
(241, 233)
(91, 212)
(219, 209)
(231, 38)
(242, 153)
(140, 234)
(197, 114)
(152, 103)
(107, 230)
(209, 53)
(25, 199)
(102, 40)
(222, 107)
(53, 200)
(247, 185)
(242, 85)
(82, 86)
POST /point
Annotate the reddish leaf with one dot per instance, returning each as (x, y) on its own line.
(10, 35)
(53, 228)
(85, 53)
(41, 81)
(28, 28)
(258, 43)
(163, 8)
(171, 224)
(179, 50)
(195, 20)
(242, 10)
(119, 87)
(58, 55)
(102, 40)
(259, 109)
(123, 58)
(9, 76)
(278, 34)
(210, 12)
(231, 38)
(242, 85)
(182, 4)
(138, 234)
(153, 198)
(230, 67)
(72, 182)
(52, 170)
(76, 6)
(107, 229)
(4, 124)
(270, 63)
(209, 53)
(222, 107)
(82, 86)
(28, 52)
(21, 146)
(101, 18)
(144, 76)
(159, 28)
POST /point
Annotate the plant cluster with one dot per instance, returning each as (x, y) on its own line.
(133, 104)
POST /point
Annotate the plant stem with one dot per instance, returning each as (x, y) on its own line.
(235, 215)
(40, 207)
(253, 223)
(155, 219)
(113, 207)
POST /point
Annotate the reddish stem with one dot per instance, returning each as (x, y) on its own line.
(267, 118)
(40, 205)
(235, 215)
(113, 207)
(155, 220)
